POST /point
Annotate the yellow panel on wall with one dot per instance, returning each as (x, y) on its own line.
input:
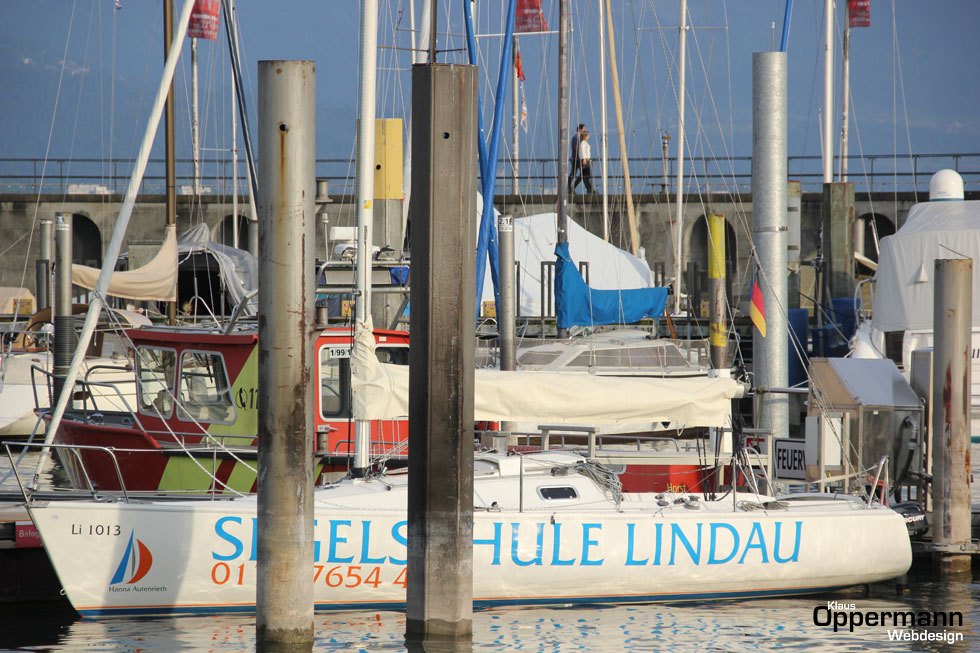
(388, 159)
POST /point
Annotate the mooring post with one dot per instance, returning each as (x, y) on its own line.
(440, 467)
(838, 219)
(770, 362)
(952, 319)
(287, 220)
(64, 334)
(42, 269)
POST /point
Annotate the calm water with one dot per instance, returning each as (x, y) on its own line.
(731, 626)
(750, 625)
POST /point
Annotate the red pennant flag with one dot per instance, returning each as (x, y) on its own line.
(757, 310)
(520, 68)
(204, 20)
(859, 13)
(529, 17)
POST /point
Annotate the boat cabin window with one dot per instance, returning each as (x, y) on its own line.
(334, 376)
(334, 380)
(205, 392)
(560, 492)
(538, 357)
(656, 356)
(393, 355)
(156, 369)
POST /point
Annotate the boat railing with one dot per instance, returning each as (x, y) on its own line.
(882, 468)
(863, 308)
(380, 447)
(561, 436)
(75, 454)
(74, 450)
(85, 394)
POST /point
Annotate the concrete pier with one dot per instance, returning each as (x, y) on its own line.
(440, 467)
(838, 246)
(287, 221)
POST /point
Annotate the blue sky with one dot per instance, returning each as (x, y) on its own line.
(914, 73)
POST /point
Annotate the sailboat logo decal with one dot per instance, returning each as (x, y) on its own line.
(136, 561)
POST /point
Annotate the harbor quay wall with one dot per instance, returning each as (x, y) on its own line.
(94, 217)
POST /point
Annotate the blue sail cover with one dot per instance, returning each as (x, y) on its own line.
(578, 305)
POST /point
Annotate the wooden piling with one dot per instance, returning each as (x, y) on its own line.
(952, 319)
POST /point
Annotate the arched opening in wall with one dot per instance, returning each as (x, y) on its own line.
(696, 274)
(86, 249)
(866, 226)
(86, 241)
(232, 226)
(200, 287)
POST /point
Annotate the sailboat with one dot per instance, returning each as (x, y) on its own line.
(549, 528)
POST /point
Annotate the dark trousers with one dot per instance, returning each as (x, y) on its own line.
(576, 165)
(585, 175)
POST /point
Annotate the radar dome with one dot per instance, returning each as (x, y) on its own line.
(946, 185)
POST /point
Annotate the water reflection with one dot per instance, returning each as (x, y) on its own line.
(749, 625)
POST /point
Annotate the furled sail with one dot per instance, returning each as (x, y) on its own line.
(380, 391)
(157, 280)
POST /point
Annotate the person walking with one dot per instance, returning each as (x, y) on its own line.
(584, 164)
(573, 158)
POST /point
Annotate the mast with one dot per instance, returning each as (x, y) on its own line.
(679, 221)
(234, 170)
(418, 56)
(364, 191)
(828, 91)
(231, 29)
(515, 118)
(621, 129)
(563, 153)
(603, 144)
(195, 130)
(171, 170)
(119, 232)
(845, 92)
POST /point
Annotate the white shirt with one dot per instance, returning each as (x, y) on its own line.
(584, 151)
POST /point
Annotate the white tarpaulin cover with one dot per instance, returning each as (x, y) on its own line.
(239, 269)
(157, 280)
(610, 268)
(381, 392)
(906, 265)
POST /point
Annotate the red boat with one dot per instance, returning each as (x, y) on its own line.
(194, 425)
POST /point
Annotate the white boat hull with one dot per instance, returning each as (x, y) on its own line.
(115, 558)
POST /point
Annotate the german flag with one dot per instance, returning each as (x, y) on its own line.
(757, 310)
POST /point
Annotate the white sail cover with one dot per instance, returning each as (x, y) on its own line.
(157, 280)
(610, 268)
(381, 392)
(906, 266)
